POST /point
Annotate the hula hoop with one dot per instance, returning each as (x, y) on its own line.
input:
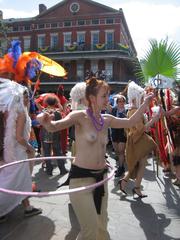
(53, 193)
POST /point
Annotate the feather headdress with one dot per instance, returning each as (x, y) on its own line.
(77, 93)
(23, 66)
(135, 92)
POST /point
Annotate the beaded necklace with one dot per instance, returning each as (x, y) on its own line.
(98, 124)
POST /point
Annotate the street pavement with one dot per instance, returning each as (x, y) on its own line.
(156, 217)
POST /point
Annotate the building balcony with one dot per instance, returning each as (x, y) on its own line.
(85, 51)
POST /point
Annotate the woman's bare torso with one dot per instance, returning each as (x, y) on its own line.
(90, 144)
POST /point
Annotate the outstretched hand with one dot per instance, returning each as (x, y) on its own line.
(44, 118)
(148, 98)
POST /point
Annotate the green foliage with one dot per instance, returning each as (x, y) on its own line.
(4, 41)
(3, 29)
(162, 58)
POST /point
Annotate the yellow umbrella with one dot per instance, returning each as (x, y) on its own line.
(48, 65)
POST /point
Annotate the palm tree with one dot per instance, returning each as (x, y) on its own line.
(161, 59)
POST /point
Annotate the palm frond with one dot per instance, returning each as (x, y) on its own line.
(161, 58)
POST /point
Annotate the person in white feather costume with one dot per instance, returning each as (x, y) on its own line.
(14, 100)
(78, 102)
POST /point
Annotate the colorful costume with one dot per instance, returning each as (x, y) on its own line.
(16, 177)
(138, 145)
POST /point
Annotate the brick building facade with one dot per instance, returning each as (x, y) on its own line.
(83, 36)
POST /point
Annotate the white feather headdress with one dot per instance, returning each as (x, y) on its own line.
(135, 92)
(77, 93)
(11, 101)
(11, 95)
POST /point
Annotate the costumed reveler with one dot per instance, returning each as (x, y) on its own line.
(51, 141)
(78, 102)
(16, 147)
(14, 105)
(164, 139)
(162, 132)
(139, 144)
(173, 116)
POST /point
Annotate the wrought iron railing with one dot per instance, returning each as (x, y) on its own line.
(74, 48)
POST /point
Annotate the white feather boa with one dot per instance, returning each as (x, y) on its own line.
(11, 102)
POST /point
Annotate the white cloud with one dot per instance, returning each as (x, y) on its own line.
(11, 13)
(146, 21)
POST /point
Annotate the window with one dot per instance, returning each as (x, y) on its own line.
(94, 38)
(41, 41)
(54, 41)
(47, 25)
(94, 66)
(41, 26)
(67, 23)
(27, 27)
(109, 70)
(109, 39)
(80, 71)
(27, 43)
(109, 21)
(21, 28)
(95, 21)
(54, 25)
(67, 39)
(81, 40)
(81, 22)
(15, 28)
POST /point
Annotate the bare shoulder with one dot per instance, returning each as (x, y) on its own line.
(77, 115)
(108, 118)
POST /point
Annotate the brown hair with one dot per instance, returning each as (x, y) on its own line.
(93, 85)
(121, 97)
(51, 99)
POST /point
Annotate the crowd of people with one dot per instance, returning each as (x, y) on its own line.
(88, 122)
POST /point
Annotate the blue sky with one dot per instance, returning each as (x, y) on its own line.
(146, 19)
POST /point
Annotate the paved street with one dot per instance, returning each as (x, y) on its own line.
(156, 217)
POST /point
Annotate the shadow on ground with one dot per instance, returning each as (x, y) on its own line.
(16, 227)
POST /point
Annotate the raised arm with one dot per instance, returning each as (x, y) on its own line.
(45, 120)
(128, 123)
(153, 120)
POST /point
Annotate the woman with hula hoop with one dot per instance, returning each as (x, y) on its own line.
(89, 165)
